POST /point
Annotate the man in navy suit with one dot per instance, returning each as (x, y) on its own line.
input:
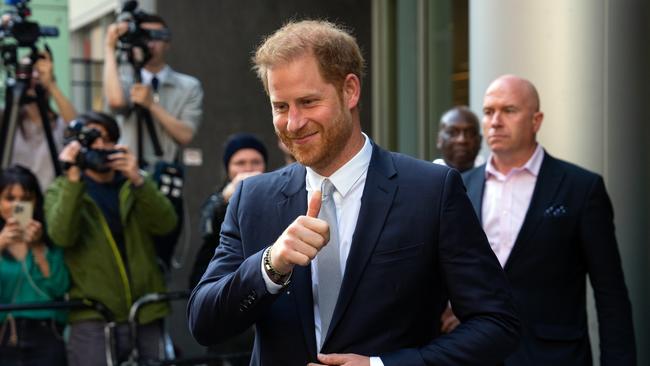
(550, 223)
(356, 276)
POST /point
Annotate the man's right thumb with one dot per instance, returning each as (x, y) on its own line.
(313, 208)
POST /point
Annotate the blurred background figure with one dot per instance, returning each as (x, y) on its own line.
(31, 270)
(244, 155)
(30, 145)
(459, 139)
(173, 100)
(104, 211)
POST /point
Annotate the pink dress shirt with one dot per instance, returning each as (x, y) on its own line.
(505, 202)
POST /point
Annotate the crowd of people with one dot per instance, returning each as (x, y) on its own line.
(348, 255)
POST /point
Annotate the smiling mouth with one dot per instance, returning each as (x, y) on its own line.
(302, 139)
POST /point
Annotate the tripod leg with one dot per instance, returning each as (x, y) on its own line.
(47, 128)
(6, 119)
(13, 95)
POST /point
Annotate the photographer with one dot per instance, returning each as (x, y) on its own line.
(103, 211)
(244, 155)
(30, 146)
(173, 99)
(176, 104)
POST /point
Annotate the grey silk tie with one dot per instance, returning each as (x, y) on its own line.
(329, 261)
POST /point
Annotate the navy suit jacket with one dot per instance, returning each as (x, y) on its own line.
(416, 234)
(568, 232)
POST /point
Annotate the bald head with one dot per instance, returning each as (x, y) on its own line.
(523, 87)
(511, 120)
(459, 113)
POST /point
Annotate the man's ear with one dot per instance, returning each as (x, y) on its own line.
(351, 91)
(538, 117)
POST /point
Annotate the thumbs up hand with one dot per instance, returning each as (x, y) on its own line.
(301, 241)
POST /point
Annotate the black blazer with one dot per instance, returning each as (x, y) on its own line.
(568, 232)
(416, 233)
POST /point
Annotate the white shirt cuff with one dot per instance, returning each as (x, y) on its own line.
(376, 361)
(272, 287)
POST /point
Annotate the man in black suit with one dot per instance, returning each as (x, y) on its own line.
(550, 223)
(355, 277)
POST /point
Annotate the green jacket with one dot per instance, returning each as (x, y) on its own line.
(98, 272)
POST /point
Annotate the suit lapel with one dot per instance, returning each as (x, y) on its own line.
(475, 186)
(548, 182)
(377, 198)
(294, 205)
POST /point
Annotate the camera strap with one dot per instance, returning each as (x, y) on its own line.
(154, 87)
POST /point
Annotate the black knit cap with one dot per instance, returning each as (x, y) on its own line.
(240, 141)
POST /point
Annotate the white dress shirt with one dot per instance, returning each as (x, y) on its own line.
(505, 202)
(349, 181)
(478, 161)
(148, 75)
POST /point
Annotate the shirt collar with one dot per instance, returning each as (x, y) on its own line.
(346, 176)
(162, 75)
(533, 165)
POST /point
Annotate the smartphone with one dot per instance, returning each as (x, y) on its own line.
(23, 212)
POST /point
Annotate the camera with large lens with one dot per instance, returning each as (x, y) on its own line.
(88, 158)
(15, 25)
(136, 36)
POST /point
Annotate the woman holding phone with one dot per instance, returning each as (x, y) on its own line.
(31, 270)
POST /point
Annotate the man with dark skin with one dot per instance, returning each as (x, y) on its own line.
(459, 139)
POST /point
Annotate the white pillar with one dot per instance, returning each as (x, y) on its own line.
(586, 59)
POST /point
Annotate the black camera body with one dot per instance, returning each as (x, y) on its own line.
(95, 159)
(136, 36)
(88, 158)
(15, 25)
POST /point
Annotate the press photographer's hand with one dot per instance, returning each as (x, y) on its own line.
(69, 155)
(142, 95)
(125, 162)
(44, 70)
(230, 188)
(114, 32)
